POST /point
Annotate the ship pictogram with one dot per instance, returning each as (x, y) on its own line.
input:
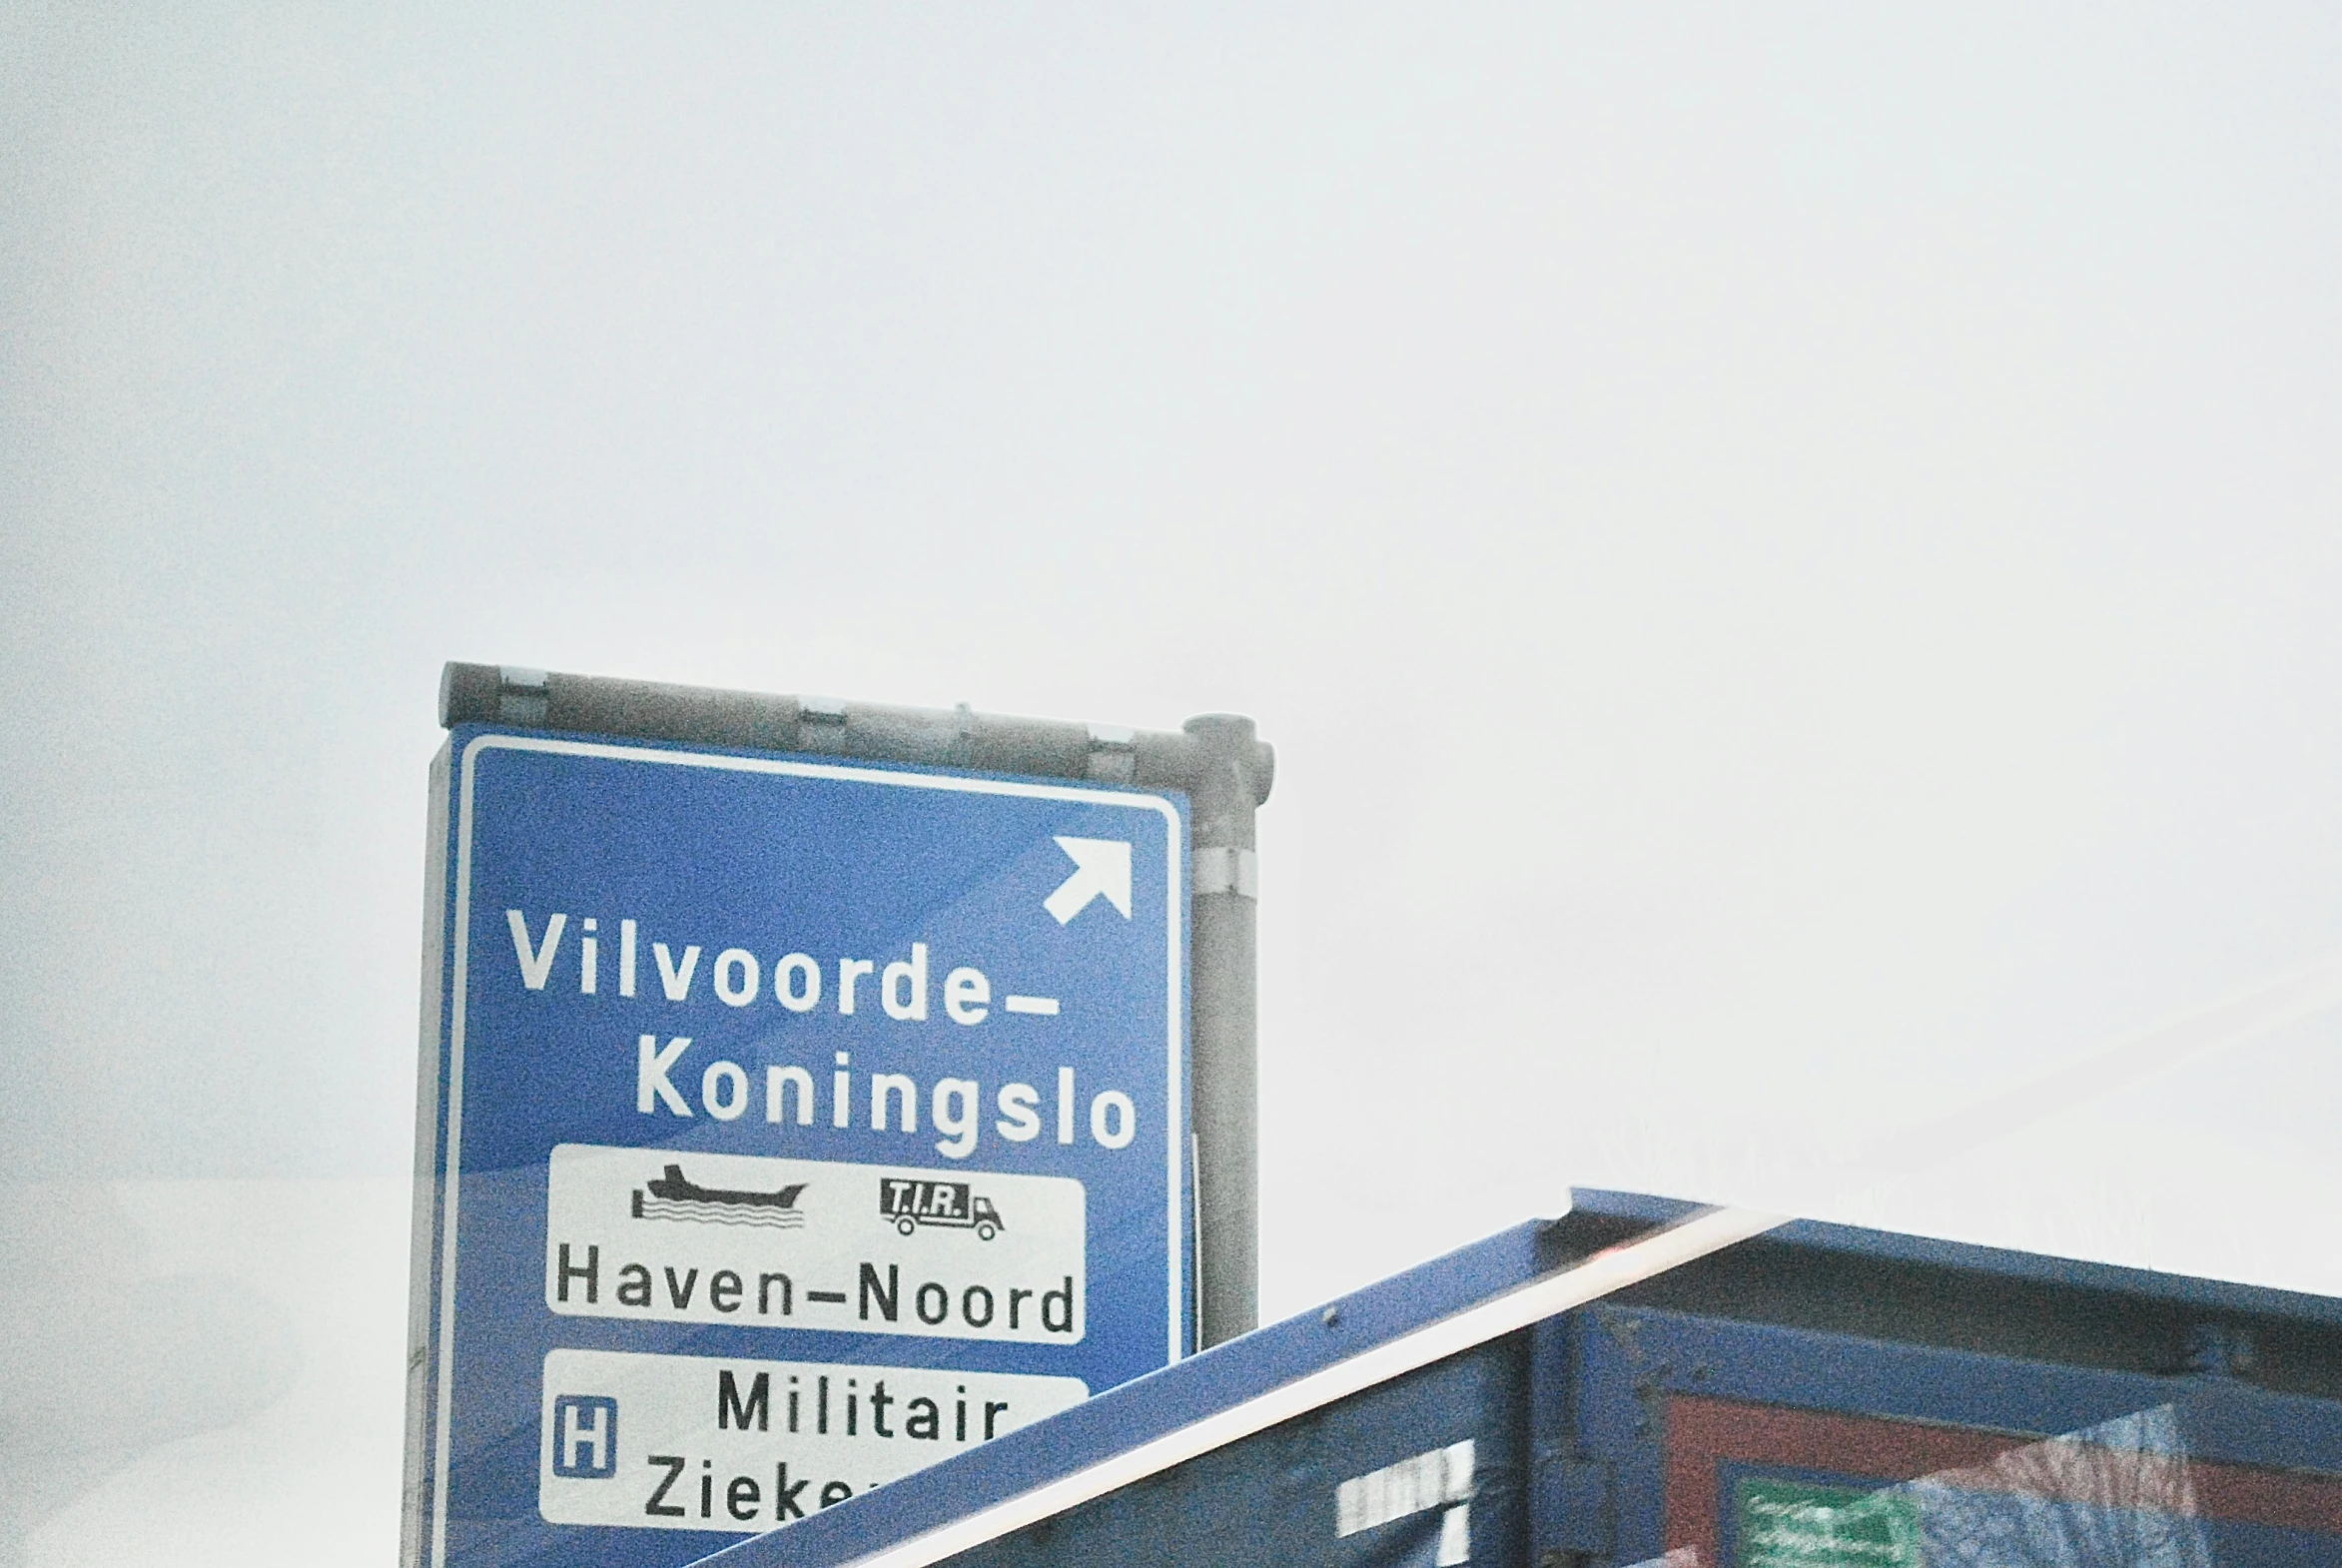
(676, 1196)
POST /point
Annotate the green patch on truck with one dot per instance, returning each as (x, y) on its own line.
(1790, 1524)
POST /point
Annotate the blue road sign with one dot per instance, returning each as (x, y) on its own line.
(792, 1126)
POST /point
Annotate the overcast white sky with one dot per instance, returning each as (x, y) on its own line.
(1789, 555)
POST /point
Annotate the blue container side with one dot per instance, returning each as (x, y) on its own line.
(1270, 1501)
(1159, 1403)
(1569, 1418)
(1608, 1483)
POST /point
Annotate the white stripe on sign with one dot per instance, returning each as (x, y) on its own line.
(1428, 1480)
(1698, 1234)
(1046, 1007)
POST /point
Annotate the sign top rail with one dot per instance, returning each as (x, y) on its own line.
(512, 695)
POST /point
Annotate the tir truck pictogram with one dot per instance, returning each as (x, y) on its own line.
(912, 1203)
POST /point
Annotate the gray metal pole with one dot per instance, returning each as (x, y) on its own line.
(1225, 1073)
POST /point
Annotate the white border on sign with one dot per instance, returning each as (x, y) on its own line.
(452, 1160)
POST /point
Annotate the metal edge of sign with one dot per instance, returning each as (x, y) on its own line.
(451, 1143)
(423, 1200)
(1231, 1392)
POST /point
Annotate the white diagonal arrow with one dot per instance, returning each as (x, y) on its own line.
(1100, 866)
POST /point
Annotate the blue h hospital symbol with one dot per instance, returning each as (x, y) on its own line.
(585, 1438)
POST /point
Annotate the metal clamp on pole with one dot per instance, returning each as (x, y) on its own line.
(1227, 871)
